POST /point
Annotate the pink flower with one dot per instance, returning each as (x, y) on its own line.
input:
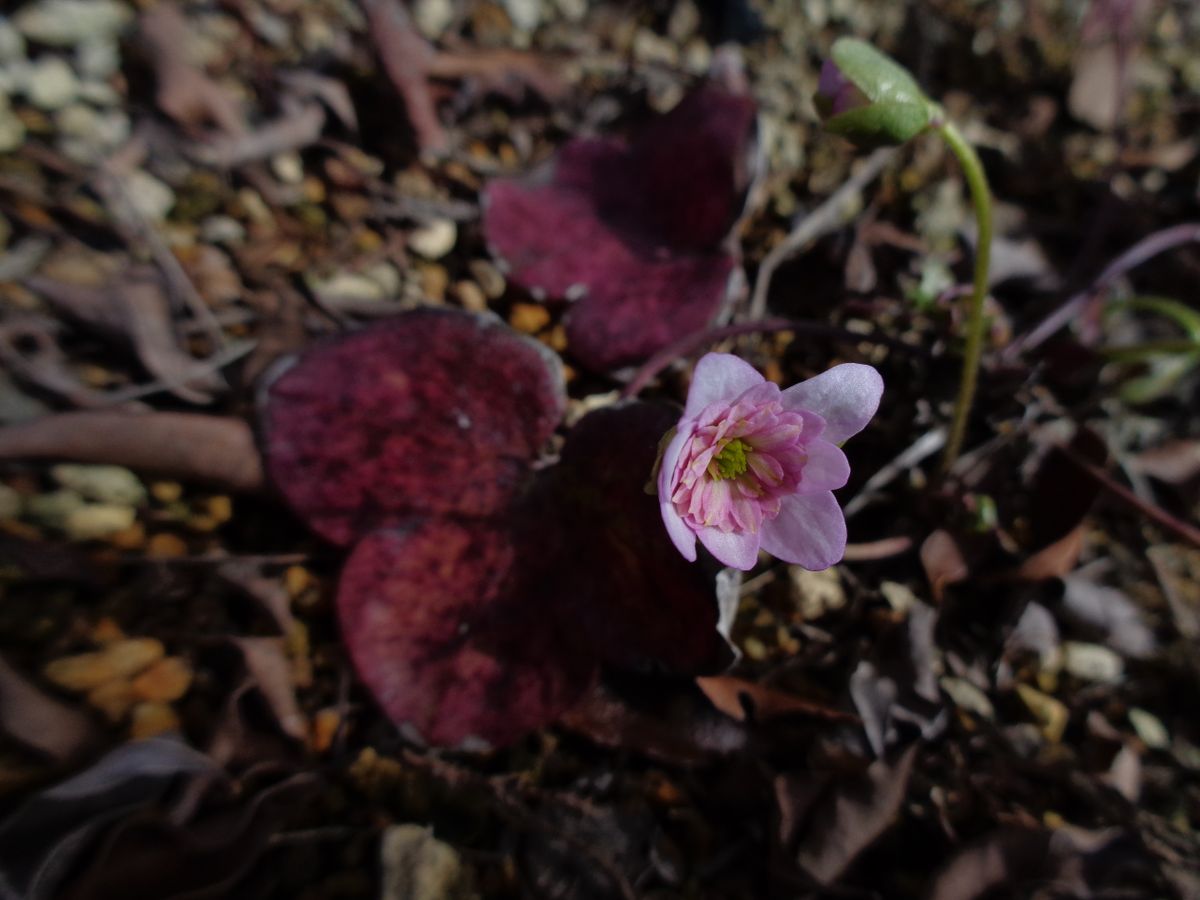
(751, 466)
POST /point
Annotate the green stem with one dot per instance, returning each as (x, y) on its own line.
(981, 198)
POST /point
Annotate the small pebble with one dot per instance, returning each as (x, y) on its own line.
(435, 240)
(51, 509)
(166, 491)
(1092, 662)
(152, 198)
(105, 484)
(967, 696)
(529, 317)
(470, 296)
(1150, 729)
(152, 718)
(12, 129)
(324, 728)
(166, 680)
(65, 23)
(222, 230)
(490, 279)
(52, 84)
(10, 503)
(166, 546)
(105, 632)
(288, 168)
(12, 44)
(113, 698)
(1051, 714)
(98, 520)
(97, 59)
(81, 672)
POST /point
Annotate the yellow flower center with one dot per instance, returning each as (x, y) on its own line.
(730, 462)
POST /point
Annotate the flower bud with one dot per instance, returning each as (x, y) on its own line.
(869, 98)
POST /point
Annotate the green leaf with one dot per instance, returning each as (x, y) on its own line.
(877, 75)
(881, 124)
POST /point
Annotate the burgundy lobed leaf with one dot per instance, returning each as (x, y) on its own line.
(638, 599)
(448, 628)
(430, 412)
(476, 631)
(632, 233)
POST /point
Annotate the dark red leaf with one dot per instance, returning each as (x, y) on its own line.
(634, 593)
(632, 233)
(452, 639)
(431, 412)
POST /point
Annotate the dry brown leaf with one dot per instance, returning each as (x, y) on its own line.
(37, 720)
(137, 312)
(740, 699)
(845, 818)
(1055, 561)
(267, 662)
(1175, 462)
(943, 562)
(211, 449)
(186, 94)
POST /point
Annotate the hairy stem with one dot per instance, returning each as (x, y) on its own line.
(981, 198)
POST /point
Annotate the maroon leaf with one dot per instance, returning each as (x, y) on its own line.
(632, 233)
(638, 598)
(452, 639)
(433, 411)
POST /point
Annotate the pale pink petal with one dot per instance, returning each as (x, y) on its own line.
(827, 468)
(738, 550)
(846, 397)
(682, 536)
(810, 531)
(719, 377)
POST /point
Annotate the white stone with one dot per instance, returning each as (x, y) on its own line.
(97, 59)
(98, 520)
(105, 484)
(65, 23)
(12, 45)
(1091, 662)
(150, 197)
(12, 129)
(52, 83)
(434, 240)
(433, 17)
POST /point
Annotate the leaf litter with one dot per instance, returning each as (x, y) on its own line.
(997, 702)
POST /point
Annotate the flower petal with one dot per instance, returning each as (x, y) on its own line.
(738, 550)
(846, 397)
(719, 377)
(809, 531)
(826, 469)
(681, 536)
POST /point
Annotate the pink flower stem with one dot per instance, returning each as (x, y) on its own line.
(1147, 248)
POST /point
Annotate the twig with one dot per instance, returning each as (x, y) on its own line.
(406, 57)
(690, 343)
(829, 216)
(1155, 513)
(1145, 249)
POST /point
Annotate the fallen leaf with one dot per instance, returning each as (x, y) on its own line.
(943, 562)
(210, 449)
(430, 412)
(632, 234)
(136, 311)
(1112, 613)
(1175, 462)
(742, 700)
(44, 840)
(185, 93)
(845, 818)
(267, 663)
(36, 720)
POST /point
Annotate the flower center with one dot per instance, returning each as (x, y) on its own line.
(731, 461)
